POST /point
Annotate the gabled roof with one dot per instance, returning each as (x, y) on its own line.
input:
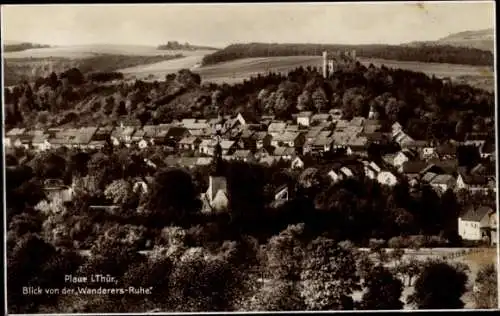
(321, 117)
(268, 160)
(189, 140)
(15, 132)
(346, 171)
(247, 133)
(476, 214)
(322, 141)
(313, 133)
(39, 139)
(242, 153)
(473, 179)
(218, 184)
(357, 121)
(428, 177)
(85, 134)
(283, 151)
(226, 144)
(418, 144)
(341, 138)
(259, 135)
(176, 132)
(304, 114)
(370, 129)
(123, 131)
(286, 137)
(358, 141)
(341, 124)
(292, 128)
(203, 161)
(446, 149)
(372, 165)
(276, 127)
(443, 179)
(187, 161)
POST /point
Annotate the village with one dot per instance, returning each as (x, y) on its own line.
(194, 142)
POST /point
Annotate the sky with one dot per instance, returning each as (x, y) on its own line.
(223, 24)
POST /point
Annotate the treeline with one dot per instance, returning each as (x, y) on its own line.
(174, 45)
(22, 46)
(434, 54)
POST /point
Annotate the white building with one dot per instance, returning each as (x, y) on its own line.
(478, 224)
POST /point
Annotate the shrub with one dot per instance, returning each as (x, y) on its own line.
(376, 243)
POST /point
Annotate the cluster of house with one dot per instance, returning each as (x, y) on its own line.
(271, 141)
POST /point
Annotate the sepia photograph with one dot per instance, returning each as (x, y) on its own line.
(249, 157)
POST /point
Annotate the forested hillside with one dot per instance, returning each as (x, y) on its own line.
(427, 107)
(435, 54)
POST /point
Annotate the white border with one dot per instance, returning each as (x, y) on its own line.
(267, 3)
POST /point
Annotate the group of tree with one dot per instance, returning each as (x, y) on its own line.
(188, 273)
(22, 46)
(175, 45)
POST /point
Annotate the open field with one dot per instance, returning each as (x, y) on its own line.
(83, 51)
(238, 70)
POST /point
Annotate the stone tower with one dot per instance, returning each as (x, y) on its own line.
(325, 64)
(353, 54)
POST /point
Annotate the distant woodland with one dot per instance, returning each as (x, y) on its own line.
(434, 54)
(174, 45)
(22, 46)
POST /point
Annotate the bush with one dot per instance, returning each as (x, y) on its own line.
(417, 242)
(397, 242)
(376, 243)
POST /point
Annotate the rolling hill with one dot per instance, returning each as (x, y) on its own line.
(480, 39)
(83, 51)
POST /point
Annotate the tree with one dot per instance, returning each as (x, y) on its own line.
(49, 165)
(319, 99)
(119, 191)
(103, 170)
(439, 286)
(329, 276)
(486, 297)
(173, 196)
(383, 290)
(285, 253)
(35, 263)
(304, 101)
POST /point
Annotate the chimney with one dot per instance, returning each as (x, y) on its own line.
(353, 54)
(325, 65)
